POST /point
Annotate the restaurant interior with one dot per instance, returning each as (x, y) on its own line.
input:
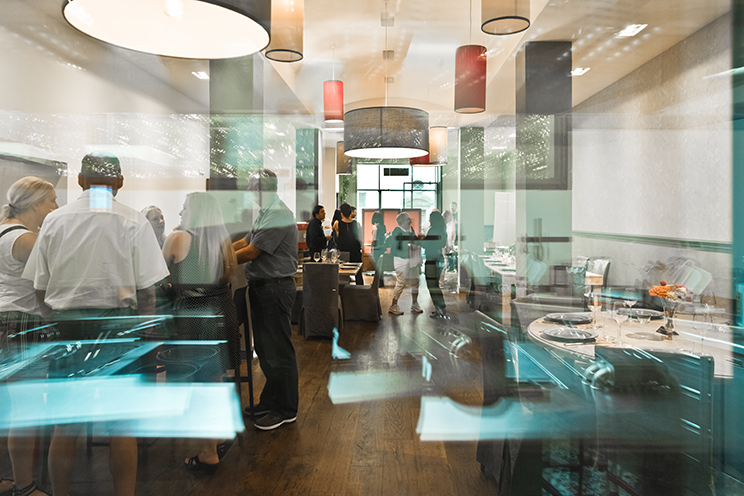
(585, 151)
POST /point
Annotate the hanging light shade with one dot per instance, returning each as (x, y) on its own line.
(287, 17)
(438, 145)
(343, 162)
(420, 161)
(386, 132)
(504, 17)
(333, 101)
(470, 79)
(205, 29)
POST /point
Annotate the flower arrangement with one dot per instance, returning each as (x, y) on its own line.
(669, 291)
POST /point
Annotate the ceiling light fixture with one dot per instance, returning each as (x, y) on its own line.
(580, 71)
(207, 29)
(344, 163)
(287, 30)
(386, 132)
(333, 96)
(470, 75)
(631, 30)
(504, 17)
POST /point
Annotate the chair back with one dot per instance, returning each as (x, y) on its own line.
(345, 256)
(319, 299)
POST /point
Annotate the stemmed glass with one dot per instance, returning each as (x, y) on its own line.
(316, 256)
(595, 307)
(619, 316)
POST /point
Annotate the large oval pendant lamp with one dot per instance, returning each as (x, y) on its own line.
(386, 132)
(504, 17)
(344, 163)
(287, 18)
(205, 29)
(333, 101)
(470, 79)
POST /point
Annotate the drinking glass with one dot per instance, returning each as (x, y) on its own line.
(595, 308)
(619, 316)
(316, 256)
(324, 254)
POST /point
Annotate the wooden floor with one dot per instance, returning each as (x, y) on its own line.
(365, 448)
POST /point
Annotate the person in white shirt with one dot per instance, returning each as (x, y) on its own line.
(95, 258)
(30, 200)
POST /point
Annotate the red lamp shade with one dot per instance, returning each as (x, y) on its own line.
(420, 160)
(470, 79)
(333, 101)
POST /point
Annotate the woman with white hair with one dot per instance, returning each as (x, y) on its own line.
(201, 260)
(407, 261)
(30, 200)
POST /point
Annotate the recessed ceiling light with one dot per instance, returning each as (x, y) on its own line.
(631, 30)
(201, 75)
(580, 71)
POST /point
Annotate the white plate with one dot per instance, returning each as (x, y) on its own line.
(574, 318)
(569, 334)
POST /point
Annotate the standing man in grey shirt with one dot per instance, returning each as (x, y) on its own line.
(269, 251)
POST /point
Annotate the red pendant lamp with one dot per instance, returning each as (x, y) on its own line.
(333, 101)
(470, 79)
(470, 76)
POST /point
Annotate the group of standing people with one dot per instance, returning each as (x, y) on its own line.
(405, 246)
(95, 258)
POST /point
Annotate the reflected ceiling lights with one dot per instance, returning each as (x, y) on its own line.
(631, 30)
(470, 79)
(504, 17)
(205, 29)
(386, 132)
(287, 18)
(343, 162)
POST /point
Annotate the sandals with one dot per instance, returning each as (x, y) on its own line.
(196, 465)
(9, 492)
(224, 447)
(27, 491)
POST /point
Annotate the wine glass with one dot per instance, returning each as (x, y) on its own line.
(324, 254)
(619, 316)
(595, 307)
(316, 257)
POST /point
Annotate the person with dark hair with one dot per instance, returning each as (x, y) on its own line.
(269, 252)
(347, 231)
(314, 236)
(334, 223)
(94, 259)
(433, 244)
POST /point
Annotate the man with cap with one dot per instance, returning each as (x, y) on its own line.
(95, 258)
(269, 251)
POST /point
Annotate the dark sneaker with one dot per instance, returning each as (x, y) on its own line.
(258, 411)
(271, 421)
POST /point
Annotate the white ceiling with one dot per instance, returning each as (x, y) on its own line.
(425, 35)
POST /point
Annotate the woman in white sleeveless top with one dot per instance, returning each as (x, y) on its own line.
(29, 201)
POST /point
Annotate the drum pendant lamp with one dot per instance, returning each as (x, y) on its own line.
(386, 132)
(504, 17)
(287, 30)
(343, 162)
(333, 96)
(204, 29)
(470, 79)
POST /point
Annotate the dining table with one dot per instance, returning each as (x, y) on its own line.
(346, 270)
(504, 269)
(696, 338)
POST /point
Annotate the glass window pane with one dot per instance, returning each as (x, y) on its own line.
(392, 199)
(368, 199)
(368, 176)
(425, 174)
(395, 182)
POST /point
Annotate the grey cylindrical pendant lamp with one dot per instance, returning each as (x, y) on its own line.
(504, 17)
(386, 132)
(201, 29)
